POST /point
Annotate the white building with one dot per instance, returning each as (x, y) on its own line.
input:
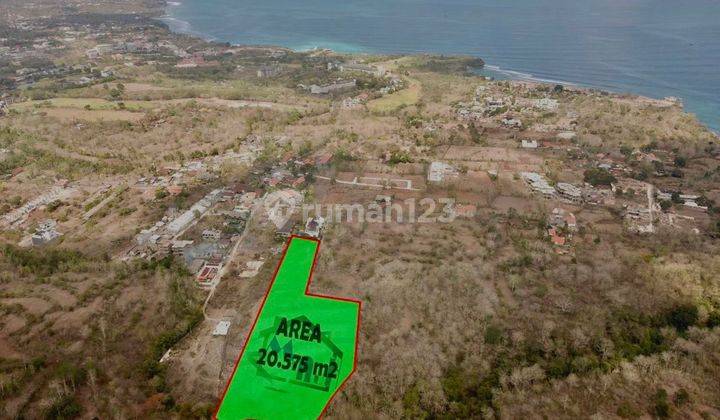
(198, 209)
(221, 329)
(529, 144)
(315, 226)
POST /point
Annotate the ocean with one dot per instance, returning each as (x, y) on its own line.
(655, 48)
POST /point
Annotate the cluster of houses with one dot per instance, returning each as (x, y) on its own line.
(206, 254)
(562, 225)
(566, 191)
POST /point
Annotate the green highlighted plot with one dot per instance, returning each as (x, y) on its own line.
(301, 348)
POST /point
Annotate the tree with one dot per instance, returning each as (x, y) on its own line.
(683, 317)
(599, 176)
(713, 319)
(680, 161)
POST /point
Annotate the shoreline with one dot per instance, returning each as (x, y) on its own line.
(488, 70)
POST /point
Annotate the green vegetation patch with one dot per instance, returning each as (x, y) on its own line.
(300, 350)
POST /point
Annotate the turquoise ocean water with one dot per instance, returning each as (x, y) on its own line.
(655, 48)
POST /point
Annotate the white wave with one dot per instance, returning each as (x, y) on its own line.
(184, 27)
(518, 75)
(177, 25)
(174, 3)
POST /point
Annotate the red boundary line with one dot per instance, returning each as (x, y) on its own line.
(307, 293)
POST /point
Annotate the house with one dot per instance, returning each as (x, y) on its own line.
(571, 222)
(529, 144)
(559, 218)
(439, 171)
(207, 273)
(315, 226)
(556, 238)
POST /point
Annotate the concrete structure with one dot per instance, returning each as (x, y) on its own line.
(569, 192)
(211, 234)
(440, 171)
(511, 122)
(198, 209)
(338, 86)
(538, 183)
(529, 144)
(221, 329)
(45, 237)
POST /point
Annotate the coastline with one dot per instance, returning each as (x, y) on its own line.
(179, 26)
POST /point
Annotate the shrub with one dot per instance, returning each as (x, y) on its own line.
(63, 409)
(713, 319)
(493, 335)
(626, 411)
(682, 397)
(399, 157)
(661, 408)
